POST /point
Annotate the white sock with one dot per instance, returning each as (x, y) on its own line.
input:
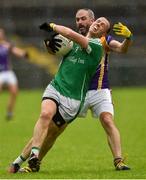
(19, 160)
(35, 150)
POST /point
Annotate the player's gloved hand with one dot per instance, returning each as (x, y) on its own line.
(122, 30)
(47, 27)
(52, 43)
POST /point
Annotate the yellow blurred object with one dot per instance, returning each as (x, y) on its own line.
(38, 56)
(42, 59)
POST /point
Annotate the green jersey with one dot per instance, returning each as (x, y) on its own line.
(76, 70)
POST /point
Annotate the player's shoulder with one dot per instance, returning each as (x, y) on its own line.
(109, 38)
(94, 45)
(6, 44)
(105, 40)
(95, 41)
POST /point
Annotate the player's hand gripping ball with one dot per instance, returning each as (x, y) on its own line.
(61, 45)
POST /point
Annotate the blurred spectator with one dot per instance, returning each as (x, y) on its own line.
(7, 76)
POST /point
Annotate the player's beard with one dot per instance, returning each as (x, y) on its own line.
(83, 30)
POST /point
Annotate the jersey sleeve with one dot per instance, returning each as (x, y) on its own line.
(109, 38)
(105, 40)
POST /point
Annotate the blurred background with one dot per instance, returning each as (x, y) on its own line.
(21, 19)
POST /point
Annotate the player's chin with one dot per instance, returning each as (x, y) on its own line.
(96, 34)
(82, 31)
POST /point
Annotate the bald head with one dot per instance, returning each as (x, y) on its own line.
(106, 22)
(87, 11)
(99, 28)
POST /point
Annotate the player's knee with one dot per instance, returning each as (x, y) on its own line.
(46, 115)
(14, 91)
(107, 119)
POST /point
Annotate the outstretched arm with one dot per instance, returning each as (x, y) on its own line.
(121, 47)
(66, 32)
(19, 52)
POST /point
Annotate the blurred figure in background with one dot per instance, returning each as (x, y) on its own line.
(7, 76)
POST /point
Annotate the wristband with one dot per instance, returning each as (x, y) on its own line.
(52, 25)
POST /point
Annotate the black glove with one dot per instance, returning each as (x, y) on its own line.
(46, 27)
(52, 43)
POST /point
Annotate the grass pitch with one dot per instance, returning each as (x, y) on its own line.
(81, 152)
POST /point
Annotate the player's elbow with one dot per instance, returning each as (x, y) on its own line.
(124, 50)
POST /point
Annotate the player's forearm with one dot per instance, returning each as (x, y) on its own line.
(19, 52)
(120, 47)
(67, 32)
(72, 35)
(125, 45)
